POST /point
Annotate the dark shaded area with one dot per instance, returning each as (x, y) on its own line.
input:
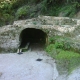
(39, 59)
(32, 36)
(20, 53)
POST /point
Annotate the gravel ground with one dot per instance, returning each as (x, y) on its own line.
(31, 65)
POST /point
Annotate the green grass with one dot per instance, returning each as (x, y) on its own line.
(67, 55)
(66, 61)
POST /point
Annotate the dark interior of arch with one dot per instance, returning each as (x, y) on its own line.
(32, 36)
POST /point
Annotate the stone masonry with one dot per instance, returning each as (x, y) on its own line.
(9, 34)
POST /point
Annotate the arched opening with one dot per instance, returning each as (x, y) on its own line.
(36, 37)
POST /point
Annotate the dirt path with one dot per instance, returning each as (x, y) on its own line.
(31, 65)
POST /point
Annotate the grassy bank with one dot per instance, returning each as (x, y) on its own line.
(66, 58)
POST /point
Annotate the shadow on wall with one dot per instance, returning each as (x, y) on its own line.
(32, 36)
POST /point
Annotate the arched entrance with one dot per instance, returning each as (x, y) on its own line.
(36, 37)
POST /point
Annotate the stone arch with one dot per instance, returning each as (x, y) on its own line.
(32, 36)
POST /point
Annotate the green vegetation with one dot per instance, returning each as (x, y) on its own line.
(11, 10)
(22, 12)
(60, 49)
(65, 43)
(68, 60)
(61, 42)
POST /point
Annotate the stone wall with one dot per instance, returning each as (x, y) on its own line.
(9, 34)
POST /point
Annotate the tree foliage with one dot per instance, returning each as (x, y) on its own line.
(19, 9)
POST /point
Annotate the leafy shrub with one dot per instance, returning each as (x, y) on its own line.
(8, 18)
(67, 45)
(53, 39)
(52, 51)
(69, 9)
(62, 53)
(6, 12)
(61, 42)
(50, 48)
(42, 7)
(22, 12)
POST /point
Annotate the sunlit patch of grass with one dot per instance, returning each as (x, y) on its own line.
(66, 61)
(67, 55)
